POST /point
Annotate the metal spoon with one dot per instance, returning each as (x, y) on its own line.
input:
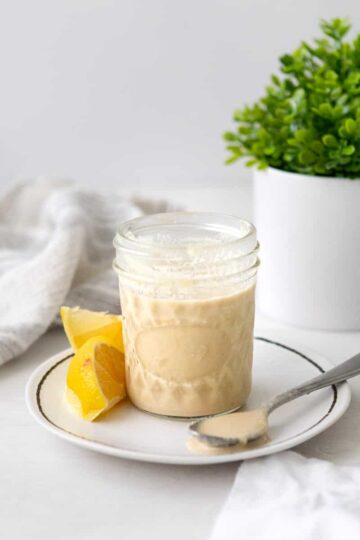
(243, 427)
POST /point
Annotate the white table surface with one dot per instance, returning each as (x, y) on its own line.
(51, 489)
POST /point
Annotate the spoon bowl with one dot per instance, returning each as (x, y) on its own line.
(231, 429)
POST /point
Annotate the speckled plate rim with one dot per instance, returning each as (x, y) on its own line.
(340, 403)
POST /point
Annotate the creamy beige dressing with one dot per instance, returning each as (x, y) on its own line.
(245, 426)
(197, 447)
(188, 357)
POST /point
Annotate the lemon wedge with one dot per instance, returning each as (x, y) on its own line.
(81, 324)
(96, 378)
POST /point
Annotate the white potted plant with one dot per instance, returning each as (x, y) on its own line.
(303, 137)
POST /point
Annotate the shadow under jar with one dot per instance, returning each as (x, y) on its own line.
(187, 291)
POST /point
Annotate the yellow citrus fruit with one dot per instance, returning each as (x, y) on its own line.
(96, 378)
(81, 324)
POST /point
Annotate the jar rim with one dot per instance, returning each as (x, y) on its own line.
(126, 238)
(208, 250)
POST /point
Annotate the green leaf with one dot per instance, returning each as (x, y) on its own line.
(238, 115)
(348, 150)
(286, 60)
(245, 130)
(338, 111)
(343, 132)
(289, 85)
(301, 135)
(251, 162)
(350, 126)
(329, 141)
(336, 29)
(325, 110)
(317, 147)
(234, 149)
(229, 136)
(307, 157)
(232, 159)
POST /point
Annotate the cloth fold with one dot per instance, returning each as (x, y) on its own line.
(287, 496)
(56, 248)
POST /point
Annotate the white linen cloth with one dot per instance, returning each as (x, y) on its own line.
(56, 248)
(289, 497)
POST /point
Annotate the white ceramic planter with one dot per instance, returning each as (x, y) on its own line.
(309, 233)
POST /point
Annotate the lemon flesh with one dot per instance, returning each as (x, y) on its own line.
(96, 378)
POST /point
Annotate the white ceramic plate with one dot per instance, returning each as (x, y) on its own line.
(127, 432)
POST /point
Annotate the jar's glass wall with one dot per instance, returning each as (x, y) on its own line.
(187, 285)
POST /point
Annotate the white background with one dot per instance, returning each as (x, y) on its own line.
(137, 92)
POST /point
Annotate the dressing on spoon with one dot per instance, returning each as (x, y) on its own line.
(241, 430)
(242, 426)
(248, 428)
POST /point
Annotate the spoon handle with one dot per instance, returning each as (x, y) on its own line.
(338, 374)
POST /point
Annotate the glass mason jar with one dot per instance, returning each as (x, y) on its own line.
(187, 288)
